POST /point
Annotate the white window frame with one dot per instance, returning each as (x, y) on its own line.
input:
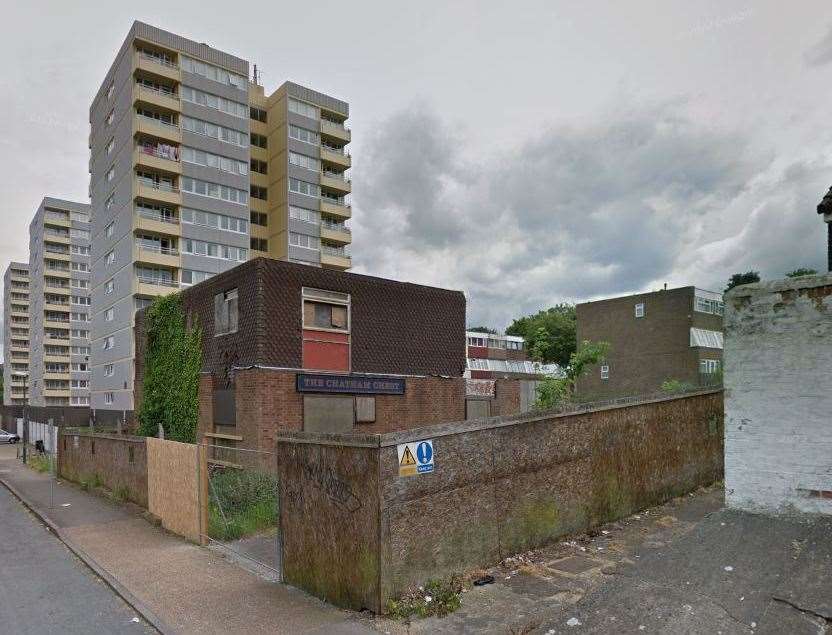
(639, 310)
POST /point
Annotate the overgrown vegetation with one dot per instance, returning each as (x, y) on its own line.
(801, 271)
(437, 597)
(742, 278)
(173, 358)
(39, 462)
(89, 482)
(672, 386)
(241, 503)
(550, 334)
(554, 392)
(121, 493)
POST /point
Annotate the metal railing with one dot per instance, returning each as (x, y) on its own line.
(156, 152)
(165, 92)
(157, 216)
(340, 202)
(340, 176)
(335, 251)
(169, 124)
(338, 125)
(341, 151)
(167, 251)
(159, 60)
(164, 282)
(157, 185)
(338, 227)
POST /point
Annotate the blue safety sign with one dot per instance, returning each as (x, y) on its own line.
(424, 454)
(416, 457)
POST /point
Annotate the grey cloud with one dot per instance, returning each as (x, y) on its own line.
(571, 214)
(820, 53)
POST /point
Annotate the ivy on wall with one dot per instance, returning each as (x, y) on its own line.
(173, 359)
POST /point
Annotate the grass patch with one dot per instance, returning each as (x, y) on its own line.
(121, 493)
(242, 503)
(437, 597)
(39, 463)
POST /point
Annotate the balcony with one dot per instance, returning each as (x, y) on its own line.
(157, 97)
(57, 255)
(56, 324)
(56, 357)
(157, 128)
(336, 233)
(338, 156)
(157, 191)
(145, 252)
(335, 208)
(56, 306)
(335, 130)
(56, 220)
(58, 273)
(335, 257)
(57, 375)
(152, 286)
(158, 157)
(156, 66)
(54, 237)
(336, 181)
(153, 221)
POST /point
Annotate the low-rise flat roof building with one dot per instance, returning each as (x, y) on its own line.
(653, 337)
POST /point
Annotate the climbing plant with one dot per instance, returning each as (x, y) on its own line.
(172, 361)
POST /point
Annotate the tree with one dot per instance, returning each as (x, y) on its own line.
(482, 329)
(549, 334)
(743, 278)
(802, 271)
(557, 391)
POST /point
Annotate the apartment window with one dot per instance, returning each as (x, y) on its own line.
(190, 276)
(108, 399)
(80, 284)
(475, 363)
(214, 250)
(109, 286)
(80, 333)
(80, 367)
(307, 215)
(81, 250)
(258, 114)
(302, 134)
(110, 116)
(514, 346)
(301, 160)
(214, 190)
(80, 350)
(225, 164)
(109, 314)
(79, 299)
(261, 167)
(225, 312)
(302, 108)
(216, 102)
(79, 383)
(80, 266)
(259, 218)
(259, 140)
(111, 89)
(605, 372)
(79, 317)
(712, 305)
(110, 145)
(259, 244)
(80, 401)
(111, 199)
(705, 338)
(110, 258)
(109, 342)
(142, 303)
(639, 309)
(111, 173)
(304, 240)
(259, 192)
(212, 72)
(208, 129)
(302, 187)
(325, 309)
(709, 366)
(109, 370)
(217, 221)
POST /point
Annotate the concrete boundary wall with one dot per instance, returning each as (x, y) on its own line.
(356, 533)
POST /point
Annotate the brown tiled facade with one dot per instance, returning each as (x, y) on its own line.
(410, 332)
(646, 351)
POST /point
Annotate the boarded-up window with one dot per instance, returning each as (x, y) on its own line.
(324, 316)
(365, 409)
(225, 312)
(328, 414)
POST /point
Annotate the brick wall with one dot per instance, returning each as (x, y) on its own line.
(778, 437)
(118, 462)
(500, 486)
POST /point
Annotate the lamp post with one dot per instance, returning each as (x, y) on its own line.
(825, 208)
(25, 377)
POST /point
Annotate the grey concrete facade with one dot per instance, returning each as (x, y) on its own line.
(15, 333)
(147, 241)
(59, 304)
(778, 437)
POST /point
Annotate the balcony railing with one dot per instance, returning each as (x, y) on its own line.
(161, 122)
(164, 92)
(335, 251)
(157, 216)
(338, 227)
(340, 202)
(158, 249)
(157, 185)
(341, 151)
(165, 282)
(171, 153)
(336, 175)
(63, 218)
(158, 60)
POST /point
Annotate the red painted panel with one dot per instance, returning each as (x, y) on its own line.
(325, 336)
(478, 351)
(481, 374)
(326, 356)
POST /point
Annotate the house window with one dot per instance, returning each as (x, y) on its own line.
(605, 372)
(326, 310)
(109, 342)
(225, 313)
(110, 258)
(640, 310)
(709, 366)
(108, 370)
(108, 399)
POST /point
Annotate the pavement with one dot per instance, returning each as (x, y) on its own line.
(690, 566)
(44, 588)
(176, 586)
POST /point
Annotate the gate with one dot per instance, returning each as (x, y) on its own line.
(243, 507)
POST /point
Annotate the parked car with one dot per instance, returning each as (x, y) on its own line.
(8, 437)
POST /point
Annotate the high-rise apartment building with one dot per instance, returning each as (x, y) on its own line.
(16, 333)
(194, 169)
(59, 304)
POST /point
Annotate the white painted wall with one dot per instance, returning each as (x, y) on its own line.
(778, 396)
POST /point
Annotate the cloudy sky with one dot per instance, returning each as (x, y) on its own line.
(526, 152)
